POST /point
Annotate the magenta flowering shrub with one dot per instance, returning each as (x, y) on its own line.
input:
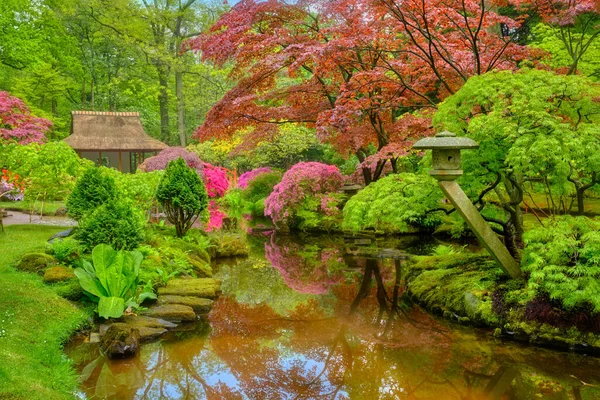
(312, 271)
(216, 180)
(246, 177)
(303, 181)
(161, 160)
(216, 217)
(17, 124)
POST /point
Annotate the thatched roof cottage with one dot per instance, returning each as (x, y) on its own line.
(114, 139)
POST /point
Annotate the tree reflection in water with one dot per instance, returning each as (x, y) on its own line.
(352, 333)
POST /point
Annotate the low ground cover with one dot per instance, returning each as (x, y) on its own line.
(34, 324)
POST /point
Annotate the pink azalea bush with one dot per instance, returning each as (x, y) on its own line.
(246, 177)
(216, 216)
(160, 161)
(305, 180)
(216, 180)
(17, 124)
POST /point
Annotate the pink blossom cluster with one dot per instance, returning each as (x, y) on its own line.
(246, 177)
(306, 273)
(162, 159)
(17, 124)
(302, 180)
(216, 217)
(216, 180)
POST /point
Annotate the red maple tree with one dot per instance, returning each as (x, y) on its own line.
(362, 72)
(17, 124)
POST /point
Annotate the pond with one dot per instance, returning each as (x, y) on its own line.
(312, 318)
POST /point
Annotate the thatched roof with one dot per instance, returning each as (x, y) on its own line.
(110, 131)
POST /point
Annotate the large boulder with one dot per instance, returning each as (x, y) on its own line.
(120, 341)
(36, 262)
(58, 274)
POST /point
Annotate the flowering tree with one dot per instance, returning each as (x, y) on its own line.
(216, 180)
(352, 69)
(17, 124)
(302, 181)
(161, 160)
(246, 177)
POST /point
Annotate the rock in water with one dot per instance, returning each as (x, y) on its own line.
(120, 341)
(171, 312)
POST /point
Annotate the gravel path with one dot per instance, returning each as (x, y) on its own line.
(19, 218)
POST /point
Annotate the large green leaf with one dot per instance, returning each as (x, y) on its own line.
(111, 307)
(89, 283)
(103, 257)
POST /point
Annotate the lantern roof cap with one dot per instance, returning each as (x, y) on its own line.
(445, 140)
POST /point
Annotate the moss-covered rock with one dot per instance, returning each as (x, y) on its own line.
(70, 289)
(201, 268)
(229, 245)
(36, 262)
(120, 341)
(199, 305)
(171, 312)
(202, 287)
(58, 274)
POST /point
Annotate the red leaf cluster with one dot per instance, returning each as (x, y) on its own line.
(17, 124)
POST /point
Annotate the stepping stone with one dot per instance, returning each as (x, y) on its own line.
(172, 312)
(147, 322)
(201, 287)
(199, 305)
(146, 333)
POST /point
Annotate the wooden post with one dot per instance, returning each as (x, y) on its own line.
(100, 154)
(120, 161)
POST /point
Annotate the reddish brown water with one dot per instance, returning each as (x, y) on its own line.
(297, 320)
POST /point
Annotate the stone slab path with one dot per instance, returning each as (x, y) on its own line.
(20, 218)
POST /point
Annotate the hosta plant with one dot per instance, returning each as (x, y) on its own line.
(112, 279)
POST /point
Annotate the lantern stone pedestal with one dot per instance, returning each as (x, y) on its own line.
(446, 148)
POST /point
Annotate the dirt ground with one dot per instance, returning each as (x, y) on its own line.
(19, 218)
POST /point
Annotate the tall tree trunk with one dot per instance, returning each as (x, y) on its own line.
(163, 102)
(92, 98)
(180, 108)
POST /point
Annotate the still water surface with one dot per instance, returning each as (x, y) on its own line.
(301, 319)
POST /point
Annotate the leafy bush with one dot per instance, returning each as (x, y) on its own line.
(162, 159)
(394, 204)
(302, 180)
(245, 179)
(140, 188)
(183, 195)
(112, 279)
(64, 250)
(563, 261)
(93, 189)
(216, 180)
(261, 186)
(116, 223)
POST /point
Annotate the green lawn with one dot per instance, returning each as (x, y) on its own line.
(34, 324)
(50, 207)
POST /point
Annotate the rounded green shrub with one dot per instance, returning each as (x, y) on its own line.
(36, 262)
(115, 223)
(183, 195)
(397, 203)
(261, 186)
(91, 190)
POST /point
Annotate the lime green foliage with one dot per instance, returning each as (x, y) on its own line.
(319, 212)
(36, 323)
(95, 187)
(228, 245)
(563, 260)
(50, 169)
(183, 195)
(116, 223)
(140, 188)
(292, 144)
(395, 204)
(112, 279)
(549, 39)
(35, 262)
(261, 186)
(520, 120)
(167, 255)
(65, 250)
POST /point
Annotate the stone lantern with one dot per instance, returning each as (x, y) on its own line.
(446, 147)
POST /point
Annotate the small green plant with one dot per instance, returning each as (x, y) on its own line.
(93, 189)
(183, 195)
(443, 250)
(563, 261)
(65, 250)
(112, 279)
(116, 223)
